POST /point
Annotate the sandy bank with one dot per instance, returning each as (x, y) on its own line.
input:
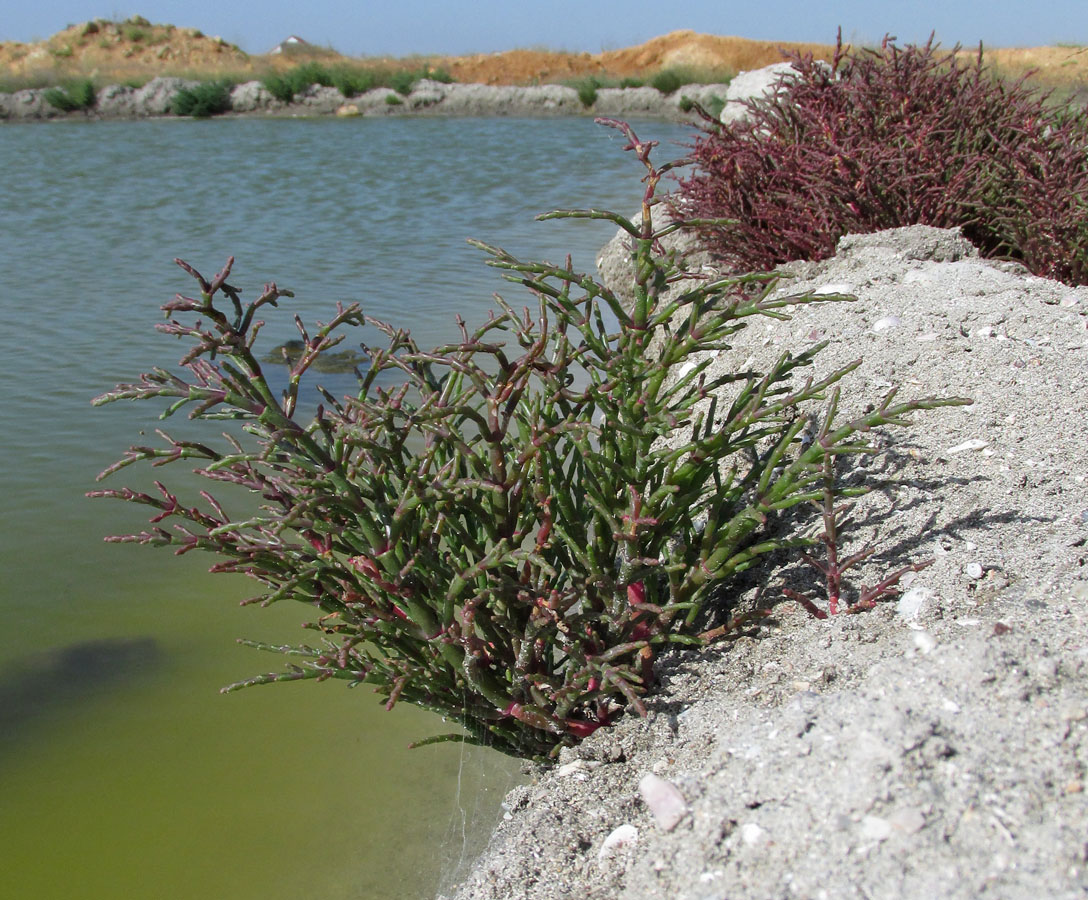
(934, 747)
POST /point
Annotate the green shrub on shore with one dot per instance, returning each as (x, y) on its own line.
(666, 81)
(670, 80)
(348, 80)
(587, 90)
(202, 101)
(294, 81)
(588, 85)
(402, 82)
(75, 96)
(501, 536)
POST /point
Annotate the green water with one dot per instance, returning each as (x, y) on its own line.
(123, 771)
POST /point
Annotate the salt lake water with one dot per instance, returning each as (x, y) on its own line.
(123, 771)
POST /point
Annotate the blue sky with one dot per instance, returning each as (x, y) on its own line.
(404, 27)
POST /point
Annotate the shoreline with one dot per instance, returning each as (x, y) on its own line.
(427, 98)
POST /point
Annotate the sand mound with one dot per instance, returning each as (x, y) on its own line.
(934, 747)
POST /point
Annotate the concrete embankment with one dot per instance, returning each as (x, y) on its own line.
(426, 98)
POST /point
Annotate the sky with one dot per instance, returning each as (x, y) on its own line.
(457, 27)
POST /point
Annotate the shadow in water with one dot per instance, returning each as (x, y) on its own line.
(41, 685)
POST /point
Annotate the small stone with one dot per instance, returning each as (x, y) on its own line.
(1074, 787)
(973, 444)
(621, 837)
(950, 706)
(874, 828)
(570, 768)
(925, 642)
(664, 799)
(909, 820)
(753, 835)
(886, 323)
(910, 604)
(838, 288)
(689, 366)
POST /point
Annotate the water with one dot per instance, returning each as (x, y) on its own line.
(123, 772)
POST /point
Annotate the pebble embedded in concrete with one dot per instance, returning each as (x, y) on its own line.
(837, 288)
(576, 769)
(874, 828)
(753, 835)
(972, 444)
(625, 835)
(664, 799)
(909, 820)
(910, 604)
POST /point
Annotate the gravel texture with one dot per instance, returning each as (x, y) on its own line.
(936, 746)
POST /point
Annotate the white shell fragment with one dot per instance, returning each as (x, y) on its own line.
(753, 835)
(910, 604)
(839, 288)
(973, 444)
(664, 799)
(874, 828)
(885, 323)
(624, 836)
(973, 570)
